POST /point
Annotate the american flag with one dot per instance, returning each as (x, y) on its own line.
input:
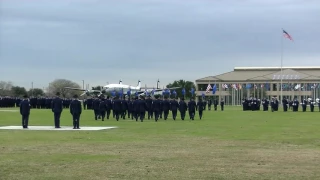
(208, 88)
(287, 35)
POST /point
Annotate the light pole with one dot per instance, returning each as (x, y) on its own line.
(49, 89)
(32, 88)
(82, 84)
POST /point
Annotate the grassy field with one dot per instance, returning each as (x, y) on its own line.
(223, 145)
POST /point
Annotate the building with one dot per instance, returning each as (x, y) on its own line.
(261, 82)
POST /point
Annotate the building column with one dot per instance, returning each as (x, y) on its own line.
(220, 91)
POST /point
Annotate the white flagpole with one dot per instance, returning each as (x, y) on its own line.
(281, 66)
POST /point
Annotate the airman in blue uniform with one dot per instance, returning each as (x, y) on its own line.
(165, 108)
(183, 108)
(57, 107)
(174, 108)
(156, 108)
(75, 110)
(192, 108)
(25, 111)
(200, 107)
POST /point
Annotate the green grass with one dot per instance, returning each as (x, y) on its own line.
(223, 145)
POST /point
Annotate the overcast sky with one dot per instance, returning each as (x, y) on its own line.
(102, 41)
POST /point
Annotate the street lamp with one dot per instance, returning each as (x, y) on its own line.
(32, 88)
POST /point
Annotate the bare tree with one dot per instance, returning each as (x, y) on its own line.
(5, 88)
(59, 85)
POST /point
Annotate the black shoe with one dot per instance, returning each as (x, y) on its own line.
(74, 128)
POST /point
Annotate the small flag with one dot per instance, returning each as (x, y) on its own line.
(287, 35)
(234, 86)
(225, 86)
(208, 88)
(214, 89)
(113, 93)
(192, 91)
(120, 94)
(267, 86)
(183, 91)
(167, 91)
(174, 93)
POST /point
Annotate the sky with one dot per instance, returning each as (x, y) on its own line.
(103, 41)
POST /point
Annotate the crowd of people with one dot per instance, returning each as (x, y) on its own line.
(254, 104)
(140, 108)
(137, 108)
(35, 102)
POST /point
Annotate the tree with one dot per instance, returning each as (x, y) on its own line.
(5, 88)
(99, 88)
(59, 85)
(35, 92)
(18, 91)
(183, 84)
(5, 85)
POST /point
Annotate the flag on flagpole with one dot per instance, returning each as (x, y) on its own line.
(129, 92)
(287, 35)
(214, 89)
(192, 91)
(174, 93)
(208, 88)
(183, 91)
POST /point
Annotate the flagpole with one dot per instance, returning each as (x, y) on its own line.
(281, 67)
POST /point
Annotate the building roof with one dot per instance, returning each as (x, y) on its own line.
(266, 74)
(277, 68)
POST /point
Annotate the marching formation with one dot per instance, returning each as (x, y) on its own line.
(141, 108)
(138, 108)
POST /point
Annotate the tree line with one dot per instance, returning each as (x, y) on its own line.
(8, 89)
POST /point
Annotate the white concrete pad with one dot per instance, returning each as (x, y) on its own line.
(8, 110)
(63, 128)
